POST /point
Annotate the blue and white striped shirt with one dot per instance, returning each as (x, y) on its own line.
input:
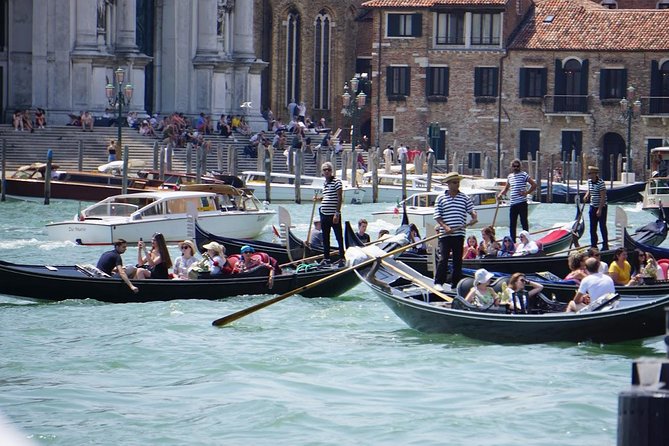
(330, 204)
(517, 185)
(453, 211)
(595, 189)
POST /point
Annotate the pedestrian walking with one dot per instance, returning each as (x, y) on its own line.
(597, 212)
(517, 182)
(450, 213)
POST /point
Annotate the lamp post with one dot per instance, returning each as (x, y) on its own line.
(629, 109)
(354, 102)
(118, 97)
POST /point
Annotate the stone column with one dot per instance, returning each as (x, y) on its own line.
(86, 25)
(243, 34)
(206, 28)
(126, 14)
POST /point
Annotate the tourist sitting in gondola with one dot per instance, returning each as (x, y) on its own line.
(218, 262)
(592, 287)
(471, 249)
(362, 231)
(185, 260)
(526, 246)
(316, 238)
(577, 270)
(488, 247)
(250, 259)
(620, 269)
(650, 271)
(154, 264)
(521, 301)
(482, 295)
(414, 236)
(508, 247)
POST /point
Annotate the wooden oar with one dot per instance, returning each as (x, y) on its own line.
(240, 314)
(579, 217)
(494, 218)
(311, 223)
(307, 259)
(418, 280)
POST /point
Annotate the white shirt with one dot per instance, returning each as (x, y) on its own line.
(596, 285)
(523, 249)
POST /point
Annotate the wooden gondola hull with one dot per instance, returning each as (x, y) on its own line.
(37, 282)
(632, 319)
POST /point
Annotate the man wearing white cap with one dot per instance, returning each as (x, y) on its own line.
(450, 213)
(597, 213)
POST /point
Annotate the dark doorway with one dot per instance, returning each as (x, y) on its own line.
(145, 42)
(613, 150)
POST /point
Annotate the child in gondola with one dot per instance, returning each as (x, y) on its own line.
(471, 248)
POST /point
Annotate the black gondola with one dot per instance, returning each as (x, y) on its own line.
(422, 310)
(631, 244)
(57, 283)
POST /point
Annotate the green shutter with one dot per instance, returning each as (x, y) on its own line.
(417, 25)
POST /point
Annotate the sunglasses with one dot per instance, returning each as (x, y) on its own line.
(326, 170)
(516, 165)
(522, 280)
(183, 248)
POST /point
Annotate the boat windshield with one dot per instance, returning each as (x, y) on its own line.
(111, 209)
(659, 186)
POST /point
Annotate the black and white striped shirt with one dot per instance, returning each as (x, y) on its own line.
(330, 204)
(518, 184)
(453, 211)
(595, 189)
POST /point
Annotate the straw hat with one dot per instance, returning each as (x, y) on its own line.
(482, 276)
(214, 246)
(593, 169)
(451, 176)
(190, 244)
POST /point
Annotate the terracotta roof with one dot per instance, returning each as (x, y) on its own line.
(584, 25)
(427, 3)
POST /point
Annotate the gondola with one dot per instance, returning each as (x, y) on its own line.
(57, 283)
(631, 244)
(615, 320)
(558, 264)
(653, 234)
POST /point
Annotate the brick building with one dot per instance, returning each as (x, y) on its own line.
(313, 48)
(521, 78)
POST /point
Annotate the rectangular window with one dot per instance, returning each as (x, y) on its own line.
(436, 82)
(404, 25)
(450, 29)
(612, 83)
(486, 29)
(474, 160)
(529, 143)
(532, 82)
(485, 81)
(388, 125)
(398, 81)
(572, 143)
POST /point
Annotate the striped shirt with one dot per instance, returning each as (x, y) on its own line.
(517, 184)
(595, 189)
(453, 211)
(330, 204)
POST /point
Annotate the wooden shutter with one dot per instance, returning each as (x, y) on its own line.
(522, 83)
(417, 25)
(655, 86)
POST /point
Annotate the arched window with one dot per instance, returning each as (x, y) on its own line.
(293, 26)
(322, 61)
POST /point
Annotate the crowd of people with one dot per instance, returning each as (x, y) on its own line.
(23, 120)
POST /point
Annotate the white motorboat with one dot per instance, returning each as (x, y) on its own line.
(220, 209)
(420, 209)
(389, 186)
(656, 193)
(282, 187)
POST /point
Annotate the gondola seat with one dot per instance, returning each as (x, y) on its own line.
(464, 286)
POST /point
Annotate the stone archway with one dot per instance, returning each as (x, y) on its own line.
(613, 150)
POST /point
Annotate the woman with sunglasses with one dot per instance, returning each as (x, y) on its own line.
(185, 260)
(156, 263)
(521, 299)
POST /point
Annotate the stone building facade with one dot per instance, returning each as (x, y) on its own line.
(500, 80)
(313, 48)
(187, 56)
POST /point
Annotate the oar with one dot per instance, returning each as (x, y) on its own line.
(307, 259)
(417, 280)
(579, 217)
(551, 254)
(537, 232)
(311, 223)
(240, 314)
(494, 218)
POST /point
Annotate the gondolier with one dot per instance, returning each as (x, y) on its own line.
(450, 213)
(597, 213)
(517, 182)
(330, 210)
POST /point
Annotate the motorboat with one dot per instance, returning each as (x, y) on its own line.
(218, 208)
(656, 192)
(420, 209)
(282, 187)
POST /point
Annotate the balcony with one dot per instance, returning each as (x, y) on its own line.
(568, 107)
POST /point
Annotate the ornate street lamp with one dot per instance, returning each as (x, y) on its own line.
(119, 96)
(354, 102)
(629, 110)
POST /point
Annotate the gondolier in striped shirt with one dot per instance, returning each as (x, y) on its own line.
(450, 213)
(517, 182)
(330, 210)
(597, 212)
